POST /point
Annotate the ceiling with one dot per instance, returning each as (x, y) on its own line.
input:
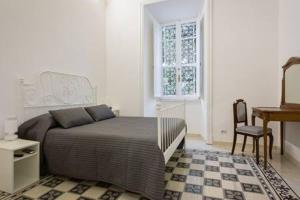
(173, 10)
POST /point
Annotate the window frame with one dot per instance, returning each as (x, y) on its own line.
(179, 65)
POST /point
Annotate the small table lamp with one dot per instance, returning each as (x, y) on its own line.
(10, 128)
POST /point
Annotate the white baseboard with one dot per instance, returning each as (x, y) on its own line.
(292, 151)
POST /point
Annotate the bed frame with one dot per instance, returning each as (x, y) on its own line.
(55, 90)
(168, 140)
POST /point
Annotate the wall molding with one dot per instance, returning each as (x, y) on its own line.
(292, 151)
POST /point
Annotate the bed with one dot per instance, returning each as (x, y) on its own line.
(129, 152)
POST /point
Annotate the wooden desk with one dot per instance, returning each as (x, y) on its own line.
(282, 115)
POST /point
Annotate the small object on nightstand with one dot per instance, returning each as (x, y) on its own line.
(116, 112)
(29, 151)
(18, 155)
(11, 127)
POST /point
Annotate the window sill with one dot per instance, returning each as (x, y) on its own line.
(178, 99)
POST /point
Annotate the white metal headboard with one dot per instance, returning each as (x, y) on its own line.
(56, 90)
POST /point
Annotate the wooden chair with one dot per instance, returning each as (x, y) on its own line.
(256, 132)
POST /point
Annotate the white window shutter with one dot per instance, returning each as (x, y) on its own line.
(157, 60)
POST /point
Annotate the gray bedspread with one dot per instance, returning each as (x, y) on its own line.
(122, 151)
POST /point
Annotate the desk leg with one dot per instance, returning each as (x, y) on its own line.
(282, 137)
(265, 128)
(254, 140)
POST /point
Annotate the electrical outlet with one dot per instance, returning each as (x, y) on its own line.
(223, 132)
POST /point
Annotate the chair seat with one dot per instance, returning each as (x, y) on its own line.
(252, 130)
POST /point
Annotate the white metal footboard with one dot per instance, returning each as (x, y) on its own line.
(168, 128)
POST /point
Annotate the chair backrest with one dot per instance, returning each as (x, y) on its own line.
(240, 112)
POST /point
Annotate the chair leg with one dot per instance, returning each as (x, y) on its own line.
(244, 144)
(253, 145)
(234, 143)
(257, 150)
(271, 145)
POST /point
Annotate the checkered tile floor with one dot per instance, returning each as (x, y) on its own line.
(189, 175)
(212, 176)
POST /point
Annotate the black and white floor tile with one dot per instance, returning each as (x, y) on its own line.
(189, 175)
(3, 195)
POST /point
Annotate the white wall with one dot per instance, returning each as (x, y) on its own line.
(195, 117)
(123, 47)
(289, 46)
(57, 35)
(245, 59)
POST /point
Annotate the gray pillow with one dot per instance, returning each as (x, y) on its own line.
(69, 118)
(100, 112)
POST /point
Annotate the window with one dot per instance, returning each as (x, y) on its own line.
(179, 67)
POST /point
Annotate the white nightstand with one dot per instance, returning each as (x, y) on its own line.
(18, 172)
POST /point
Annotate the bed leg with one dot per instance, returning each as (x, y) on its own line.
(182, 144)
